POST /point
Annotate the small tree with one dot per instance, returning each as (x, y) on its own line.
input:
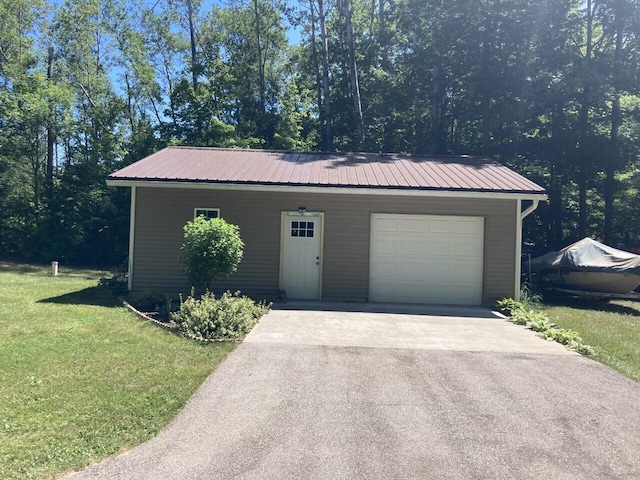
(212, 249)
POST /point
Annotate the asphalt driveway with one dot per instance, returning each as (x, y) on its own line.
(411, 407)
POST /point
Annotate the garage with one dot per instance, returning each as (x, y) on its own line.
(336, 227)
(426, 259)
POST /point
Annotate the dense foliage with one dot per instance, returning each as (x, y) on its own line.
(209, 318)
(549, 87)
(528, 313)
(212, 249)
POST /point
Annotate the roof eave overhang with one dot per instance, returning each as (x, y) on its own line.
(348, 190)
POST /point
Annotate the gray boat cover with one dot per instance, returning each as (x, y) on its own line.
(589, 256)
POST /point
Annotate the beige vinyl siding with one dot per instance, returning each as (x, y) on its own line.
(161, 214)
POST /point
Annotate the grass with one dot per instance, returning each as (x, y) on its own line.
(81, 378)
(612, 329)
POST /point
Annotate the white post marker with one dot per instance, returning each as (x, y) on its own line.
(54, 268)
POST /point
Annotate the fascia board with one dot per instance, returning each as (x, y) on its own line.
(328, 189)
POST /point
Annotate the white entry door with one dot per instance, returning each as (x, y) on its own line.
(426, 259)
(301, 261)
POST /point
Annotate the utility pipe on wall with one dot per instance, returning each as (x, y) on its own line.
(521, 216)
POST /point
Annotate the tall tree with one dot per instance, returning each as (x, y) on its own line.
(328, 128)
(353, 72)
(583, 124)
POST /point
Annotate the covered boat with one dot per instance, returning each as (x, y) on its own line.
(590, 266)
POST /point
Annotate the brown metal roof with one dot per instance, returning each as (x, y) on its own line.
(355, 170)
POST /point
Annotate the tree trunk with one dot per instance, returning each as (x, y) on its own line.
(328, 146)
(260, 61)
(172, 106)
(418, 128)
(616, 122)
(194, 53)
(387, 114)
(583, 153)
(50, 132)
(129, 104)
(316, 71)
(35, 167)
(353, 68)
(436, 112)
(609, 183)
(485, 100)
(555, 238)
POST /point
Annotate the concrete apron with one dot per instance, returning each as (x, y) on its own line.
(397, 326)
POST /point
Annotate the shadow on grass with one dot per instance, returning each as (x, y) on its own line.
(98, 296)
(596, 305)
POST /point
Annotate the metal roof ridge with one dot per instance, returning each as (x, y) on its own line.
(343, 154)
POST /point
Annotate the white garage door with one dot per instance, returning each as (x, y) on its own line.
(426, 259)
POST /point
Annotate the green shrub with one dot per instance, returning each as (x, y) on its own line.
(508, 306)
(229, 316)
(541, 324)
(581, 348)
(527, 316)
(530, 299)
(527, 313)
(212, 249)
(560, 335)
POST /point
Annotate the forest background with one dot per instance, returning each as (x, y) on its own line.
(549, 87)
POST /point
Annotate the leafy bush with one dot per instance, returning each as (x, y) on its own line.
(508, 306)
(542, 324)
(581, 348)
(528, 301)
(229, 316)
(527, 313)
(527, 317)
(561, 335)
(212, 249)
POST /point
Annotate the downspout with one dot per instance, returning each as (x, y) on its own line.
(132, 227)
(529, 209)
(519, 218)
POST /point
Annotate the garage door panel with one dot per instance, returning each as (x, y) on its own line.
(387, 225)
(409, 226)
(426, 259)
(414, 272)
(415, 247)
(441, 226)
(439, 248)
(384, 267)
(385, 247)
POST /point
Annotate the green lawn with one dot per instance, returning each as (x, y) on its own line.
(612, 329)
(82, 378)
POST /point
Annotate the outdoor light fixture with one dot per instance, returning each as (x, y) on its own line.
(302, 209)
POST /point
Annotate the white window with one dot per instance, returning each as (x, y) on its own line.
(207, 213)
(302, 229)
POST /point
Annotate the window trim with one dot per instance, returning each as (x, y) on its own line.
(206, 209)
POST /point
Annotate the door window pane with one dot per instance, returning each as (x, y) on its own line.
(303, 229)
